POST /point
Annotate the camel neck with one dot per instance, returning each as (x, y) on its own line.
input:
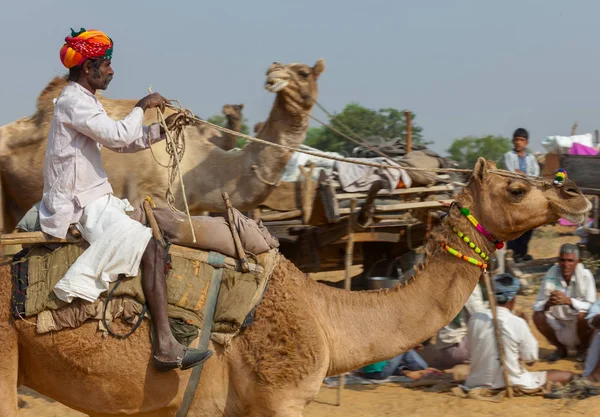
(282, 127)
(367, 327)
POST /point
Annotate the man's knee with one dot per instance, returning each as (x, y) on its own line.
(581, 316)
(539, 319)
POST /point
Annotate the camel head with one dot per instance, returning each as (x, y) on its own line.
(295, 84)
(233, 111)
(507, 206)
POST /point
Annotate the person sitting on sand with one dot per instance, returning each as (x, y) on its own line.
(592, 359)
(566, 295)
(451, 340)
(409, 364)
(519, 344)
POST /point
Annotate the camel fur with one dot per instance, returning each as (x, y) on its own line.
(303, 331)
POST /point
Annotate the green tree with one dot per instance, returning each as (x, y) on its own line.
(220, 120)
(466, 150)
(388, 123)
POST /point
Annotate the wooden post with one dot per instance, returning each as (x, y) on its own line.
(234, 233)
(595, 211)
(497, 331)
(347, 278)
(596, 138)
(574, 128)
(408, 131)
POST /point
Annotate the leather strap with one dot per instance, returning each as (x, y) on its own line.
(209, 316)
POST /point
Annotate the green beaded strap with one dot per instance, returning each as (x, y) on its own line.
(472, 245)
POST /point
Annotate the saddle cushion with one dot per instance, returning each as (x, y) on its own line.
(187, 287)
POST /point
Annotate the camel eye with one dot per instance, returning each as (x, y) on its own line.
(303, 73)
(517, 192)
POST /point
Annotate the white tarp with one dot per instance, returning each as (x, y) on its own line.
(557, 143)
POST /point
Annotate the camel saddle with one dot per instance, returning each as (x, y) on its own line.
(37, 269)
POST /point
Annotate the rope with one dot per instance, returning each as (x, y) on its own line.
(176, 149)
(501, 172)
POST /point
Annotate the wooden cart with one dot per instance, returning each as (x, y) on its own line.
(312, 220)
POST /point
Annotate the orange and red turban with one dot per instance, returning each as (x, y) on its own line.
(85, 44)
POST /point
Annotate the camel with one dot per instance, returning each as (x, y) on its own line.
(234, 118)
(248, 175)
(302, 331)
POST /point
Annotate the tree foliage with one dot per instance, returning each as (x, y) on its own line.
(388, 123)
(466, 150)
(220, 120)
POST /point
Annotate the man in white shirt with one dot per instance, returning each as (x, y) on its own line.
(451, 340)
(77, 191)
(519, 345)
(567, 292)
(592, 359)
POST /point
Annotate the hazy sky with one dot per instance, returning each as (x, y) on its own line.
(465, 67)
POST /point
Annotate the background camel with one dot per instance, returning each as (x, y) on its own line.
(247, 175)
(302, 332)
(234, 119)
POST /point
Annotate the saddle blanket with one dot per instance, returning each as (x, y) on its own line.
(36, 271)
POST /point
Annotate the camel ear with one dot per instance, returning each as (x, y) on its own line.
(319, 67)
(481, 169)
(241, 106)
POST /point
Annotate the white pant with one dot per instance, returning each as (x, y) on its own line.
(565, 330)
(117, 244)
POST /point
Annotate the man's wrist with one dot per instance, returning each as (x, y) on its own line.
(141, 104)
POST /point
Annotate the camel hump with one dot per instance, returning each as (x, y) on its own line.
(45, 103)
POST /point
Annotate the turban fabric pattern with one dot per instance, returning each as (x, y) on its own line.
(85, 44)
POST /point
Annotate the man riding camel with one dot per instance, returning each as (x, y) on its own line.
(77, 192)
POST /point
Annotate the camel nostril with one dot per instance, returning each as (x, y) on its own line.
(571, 192)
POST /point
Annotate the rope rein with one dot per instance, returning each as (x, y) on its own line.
(176, 149)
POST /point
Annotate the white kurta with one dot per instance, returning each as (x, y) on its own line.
(73, 172)
(563, 319)
(77, 191)
(519, 345)
(454, 333)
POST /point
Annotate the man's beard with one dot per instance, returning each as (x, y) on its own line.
(98, 79)
(107, 82)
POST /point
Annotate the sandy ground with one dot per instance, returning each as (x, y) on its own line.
(392, 400)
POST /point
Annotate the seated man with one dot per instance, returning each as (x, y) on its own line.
(592, 359)
(77, 191)
(567, 293)
(451, 340)
(519, 344)
(411, 364)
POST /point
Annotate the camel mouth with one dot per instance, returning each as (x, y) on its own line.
(276, 85)
(577, 217)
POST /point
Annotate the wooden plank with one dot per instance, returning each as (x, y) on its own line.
(33, 237)
(405, 206)
(375, 237)
(283, 215)
(402, 191)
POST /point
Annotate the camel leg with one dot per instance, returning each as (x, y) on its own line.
(9, 368)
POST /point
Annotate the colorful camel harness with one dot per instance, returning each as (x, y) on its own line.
(499, 245)
(559, 181)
